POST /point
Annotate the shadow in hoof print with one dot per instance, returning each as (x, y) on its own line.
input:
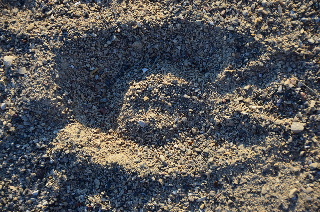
(16, 3)
(155, 84)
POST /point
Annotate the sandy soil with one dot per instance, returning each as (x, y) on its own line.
(159, 105)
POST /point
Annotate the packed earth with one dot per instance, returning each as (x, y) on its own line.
(159, 105)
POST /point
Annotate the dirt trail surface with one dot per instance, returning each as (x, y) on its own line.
(159, 105)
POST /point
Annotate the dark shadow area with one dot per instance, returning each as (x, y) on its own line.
(19, 46)
(241, 129)
(18, 43)
(16, 4)
(125, 190)
(46, 114)
(71, 180)
(183, 113)
(97, 70)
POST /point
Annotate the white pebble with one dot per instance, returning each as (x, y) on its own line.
(8, 60)
(293, 193)
(142, 123)
(144, 70)
(3, 106)
(22, 70)
(297, 127)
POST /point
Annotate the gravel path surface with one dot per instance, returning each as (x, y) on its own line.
(158, 105)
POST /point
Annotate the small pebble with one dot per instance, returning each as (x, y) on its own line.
(293, 193)
(202, 206)
(22, 71)
(162, 158)
(309, 190)
(184, 119)
(144, 70)
(311, 40)
(201, 199)
(264, 189)
(295, 169)
(8, 60)
(314, 165)
(312, 104)
(194, 130)
(191, 198)
(245, 13)
(142, 123)
(3, 106)
(297, 127)
(35, 193)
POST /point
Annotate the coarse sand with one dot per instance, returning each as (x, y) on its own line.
(159, 105)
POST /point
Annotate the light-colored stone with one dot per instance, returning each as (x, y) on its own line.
(3, 106)
(293, 193)
(144, 70)
(201, 199)
(314, 165)
(309, 190)
(297, 127)
(8, 60)
(22, 70)
(142, 123)
(264, 189)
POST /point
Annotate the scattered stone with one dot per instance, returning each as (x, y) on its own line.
(35, 193)
(145, 98)
(297, 127)
(295, 170)
(144, 70)
(194, 130)
(191, 198)
(30, 27)
(8, 60)
(3, 106)
(293, 193)
(22, 70)
(142, 123)
(211, 159)
(162, 158)
(312, 104)
(314, 166)
(264, 189)
(201, 199)
(178, 109)
(309, 190)
(184, 119)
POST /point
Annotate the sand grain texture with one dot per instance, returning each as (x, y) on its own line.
(159, 105)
